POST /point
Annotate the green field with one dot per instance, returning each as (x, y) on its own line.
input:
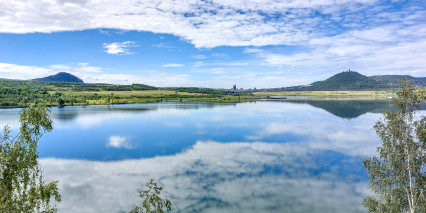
(16, 93)
(152, 96)
(141, 93)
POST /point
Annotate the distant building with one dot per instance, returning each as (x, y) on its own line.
(234, 87)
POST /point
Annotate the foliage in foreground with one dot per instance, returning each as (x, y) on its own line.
(22, 188)
(398, 177)
(152, 202)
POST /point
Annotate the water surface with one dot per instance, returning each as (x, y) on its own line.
(283, 156)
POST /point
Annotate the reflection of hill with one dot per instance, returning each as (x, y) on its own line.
(349, 108)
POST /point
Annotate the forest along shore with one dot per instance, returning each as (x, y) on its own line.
(17, 93)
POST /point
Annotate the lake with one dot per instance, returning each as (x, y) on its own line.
(264, 156)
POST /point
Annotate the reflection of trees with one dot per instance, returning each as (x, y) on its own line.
(72, 112)
(65, 115)
(200, 105)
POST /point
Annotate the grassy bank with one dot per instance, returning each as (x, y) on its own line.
(153, 96)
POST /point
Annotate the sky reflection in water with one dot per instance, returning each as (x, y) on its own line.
(248, 157)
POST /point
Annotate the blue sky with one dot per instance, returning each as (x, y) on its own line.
(215, 43)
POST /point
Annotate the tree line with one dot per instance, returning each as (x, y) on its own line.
(19, 93)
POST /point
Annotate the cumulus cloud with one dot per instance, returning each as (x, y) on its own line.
(13, 71)
(392, 49)
(119, 48)
(207, 23)
(93, 74)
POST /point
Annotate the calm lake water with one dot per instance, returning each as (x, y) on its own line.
(294, 156)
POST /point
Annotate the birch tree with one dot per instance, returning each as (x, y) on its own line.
(152, 202)
(398, 176)
(22, 188)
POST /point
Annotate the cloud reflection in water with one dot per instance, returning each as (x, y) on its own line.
(248, 157)
(117, 141)
(217, 177)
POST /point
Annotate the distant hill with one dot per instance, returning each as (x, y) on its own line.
(61, 77)
(351, 80)
(348, 80)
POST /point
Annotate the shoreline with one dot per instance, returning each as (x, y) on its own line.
(235, 99)
(60, 98)
(343, 93)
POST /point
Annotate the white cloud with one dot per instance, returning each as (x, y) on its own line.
(203, 23)
(173, 65)
(93, 74)
(199, 56)
(117, 141)
(119, 48)
(392, 49)
(61, 67)
(13, 71)
(218, 71)
(153, 78)
(164, 45)
(86, 68)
